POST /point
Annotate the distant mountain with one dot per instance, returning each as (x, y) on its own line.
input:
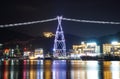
(48, 43)
(109, 38)
(8, 35)
(11, 38)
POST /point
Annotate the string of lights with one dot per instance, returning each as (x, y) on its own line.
(89, 21)
(67, 19)
(27, 23)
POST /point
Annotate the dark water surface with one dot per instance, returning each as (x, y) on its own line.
(59, 69)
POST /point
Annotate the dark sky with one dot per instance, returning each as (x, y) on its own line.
(31, 10)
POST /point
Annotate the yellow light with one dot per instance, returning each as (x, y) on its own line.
(31, 57)
(48, 34)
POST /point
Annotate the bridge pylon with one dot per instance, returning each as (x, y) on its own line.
(59, 49)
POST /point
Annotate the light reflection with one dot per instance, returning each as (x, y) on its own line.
(12, 62)
(24, 69)
(5, 72)
(27, 71)
(92, 70)
(115, 68)
(85, 70)
(92, 65)
(39, 69)
(59, 69)
(107, 74)
(115, 65)
(111, 69)
(33, 73)
(47, 69)
(92, 74)
(16, 74)
(12, 72)
(77, 72)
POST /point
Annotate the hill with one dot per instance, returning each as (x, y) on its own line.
(12, 38)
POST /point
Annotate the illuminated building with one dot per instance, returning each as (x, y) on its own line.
(86, 49)
(113, 48)
(6, 52)
(26, 53)
(39, 53)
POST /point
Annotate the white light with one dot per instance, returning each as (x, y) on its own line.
(1, 44)
(53, 49)
(90, 21)
(82, 42)
(92, 43)
(114, 43)
(27, 23)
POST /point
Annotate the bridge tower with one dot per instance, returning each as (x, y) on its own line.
(59, 48)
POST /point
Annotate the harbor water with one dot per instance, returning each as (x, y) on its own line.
(59, 69)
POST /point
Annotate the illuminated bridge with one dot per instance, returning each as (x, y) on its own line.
(59, 47)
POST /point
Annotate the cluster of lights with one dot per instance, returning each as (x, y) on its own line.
(90, 21)
(27, 23)
(48, 34)
(114, 43)
(92, 43)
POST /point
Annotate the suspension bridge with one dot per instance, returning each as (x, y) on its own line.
(59, 47)
(53, 19)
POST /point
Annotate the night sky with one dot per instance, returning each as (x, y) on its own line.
(32, 10)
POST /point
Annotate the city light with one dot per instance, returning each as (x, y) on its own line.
(48, 34)
(114, 42)
(1, 44)
(31, 57)
(92, 43)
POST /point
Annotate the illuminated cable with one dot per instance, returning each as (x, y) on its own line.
(89, 21)
(68, 19)
(27, 23)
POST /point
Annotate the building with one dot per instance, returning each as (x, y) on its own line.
(113, 48)
(88, 48)
(39, 53)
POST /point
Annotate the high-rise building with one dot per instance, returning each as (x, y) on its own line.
(113, 48)
(39, 53)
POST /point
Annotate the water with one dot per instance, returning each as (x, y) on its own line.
(59, 69)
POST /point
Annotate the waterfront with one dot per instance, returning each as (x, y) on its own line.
(59, 69)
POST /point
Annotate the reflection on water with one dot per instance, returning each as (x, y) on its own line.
(59, 69)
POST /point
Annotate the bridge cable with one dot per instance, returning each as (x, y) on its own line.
(90, 21)
(27, 23)
(67, 19)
